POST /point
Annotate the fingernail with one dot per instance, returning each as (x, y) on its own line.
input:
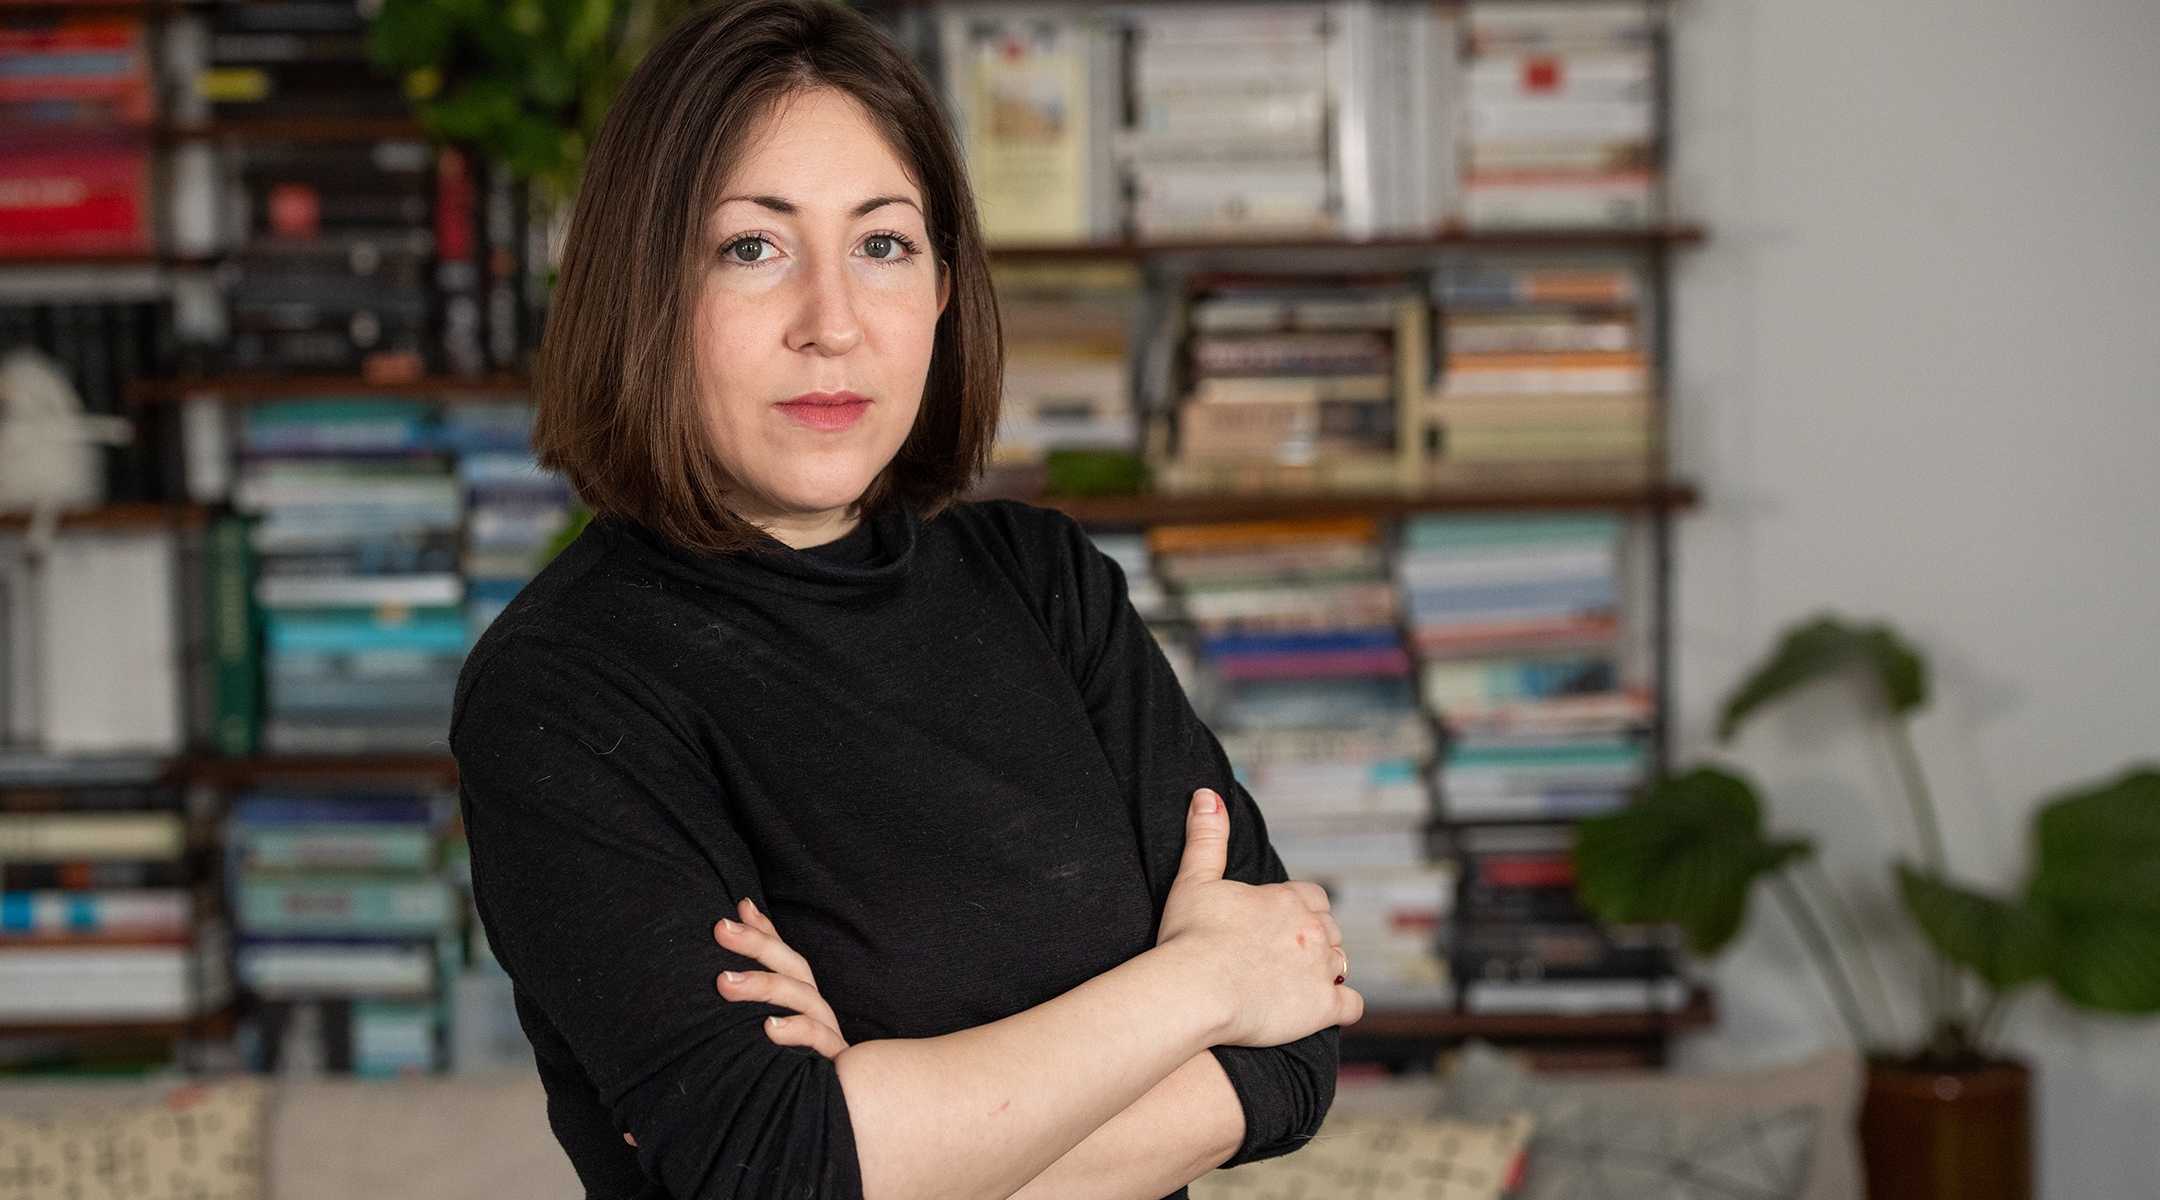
(729, 926)
(731, 976)
(1206, 801)
(776, 1022)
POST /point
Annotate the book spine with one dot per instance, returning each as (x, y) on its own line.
(160, 913)
(90, 837)
(235, 640)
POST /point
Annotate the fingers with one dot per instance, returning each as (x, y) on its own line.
(1207, 839)
(1350, 1006)
(1334, 931)
(802, 1031)
(780, 991)
(764, 948)
(747, 912)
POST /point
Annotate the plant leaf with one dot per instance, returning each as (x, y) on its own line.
(2004, 942)
(1822, 648)
(2096, 878)
(2108, 961)
(2100, 849)
(1687, 852)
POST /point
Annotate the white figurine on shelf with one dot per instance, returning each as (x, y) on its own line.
(48, 446)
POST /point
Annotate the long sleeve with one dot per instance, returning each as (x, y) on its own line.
(1161, 752)
(602, 855)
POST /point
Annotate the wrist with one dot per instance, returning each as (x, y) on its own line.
(1192, 983)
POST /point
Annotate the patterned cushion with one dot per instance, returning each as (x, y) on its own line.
(1375, 1158)
(1591, 1147)
(197, 1143)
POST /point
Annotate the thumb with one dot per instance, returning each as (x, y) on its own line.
(1207, 839)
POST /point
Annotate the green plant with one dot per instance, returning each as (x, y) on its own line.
(1693, 846)
(524, 81)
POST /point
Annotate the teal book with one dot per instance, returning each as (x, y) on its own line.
(346, 906)
(235, 639)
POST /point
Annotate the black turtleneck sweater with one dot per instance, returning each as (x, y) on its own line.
(944, 756)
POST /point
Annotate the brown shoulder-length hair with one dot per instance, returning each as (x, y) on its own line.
(618, 407)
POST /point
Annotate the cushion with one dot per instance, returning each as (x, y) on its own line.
(476, 1137)
(1616, 1147)
(92, 1143)
(1384, 1158)
(1831, 1082)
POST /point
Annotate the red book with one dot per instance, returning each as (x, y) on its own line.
(74, 198)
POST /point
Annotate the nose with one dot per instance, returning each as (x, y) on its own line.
(825, 319)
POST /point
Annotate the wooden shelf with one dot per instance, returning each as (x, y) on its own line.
(246, 388)
(1656, 237)
(219, 1024)
(246, 772)
(1166, 510)
(1449, 1025)
(121, 518)
(298, 129)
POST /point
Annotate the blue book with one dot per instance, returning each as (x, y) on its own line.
(1593, 594)
(343, 631)
(290, 810)
(1332, 640)
(1490, 532)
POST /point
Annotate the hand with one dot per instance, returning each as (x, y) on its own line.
(787, 984)
(1272, 953)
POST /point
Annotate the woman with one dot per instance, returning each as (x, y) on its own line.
(784, 676)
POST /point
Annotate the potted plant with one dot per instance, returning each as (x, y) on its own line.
(524, 82)
(1947, 1115)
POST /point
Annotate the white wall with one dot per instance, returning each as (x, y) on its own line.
(1919, 378)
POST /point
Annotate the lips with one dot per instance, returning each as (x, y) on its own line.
(828, 412)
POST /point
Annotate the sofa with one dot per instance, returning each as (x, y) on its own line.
(486, 1137)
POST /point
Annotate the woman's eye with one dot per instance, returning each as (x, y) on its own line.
(749, 249)
(881, 247)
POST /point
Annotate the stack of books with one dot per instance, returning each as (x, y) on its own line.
(348, 930)
(1068, 374)
(98, 918)
(307, 59)
(76, 92)
(1299, 385)
(334, 271)
(1545, 380)
(1561, 113)
(1297, 626)
(1231, 130)
(1515, 620)
(515, 510)
(357, 541)
(1522, 942)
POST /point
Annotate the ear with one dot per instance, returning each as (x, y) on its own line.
(944, 288)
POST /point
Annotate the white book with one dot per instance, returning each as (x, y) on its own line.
(1510, 565)
(1576, 997)
(359, 591)
(305, 969)
(110, 669)
(112, 983)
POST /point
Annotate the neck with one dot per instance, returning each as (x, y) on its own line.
(802, 530)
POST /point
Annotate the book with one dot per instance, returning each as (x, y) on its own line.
(354, 906)
(79, 984)
(334, 846)
(233, 639)
(1575, 997)
(290, 968)
(1024, 94)
(148, 914)
(90, 837)
(91, 874)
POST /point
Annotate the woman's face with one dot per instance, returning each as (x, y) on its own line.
(815, 316)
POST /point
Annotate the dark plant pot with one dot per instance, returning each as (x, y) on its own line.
(1948, 1135)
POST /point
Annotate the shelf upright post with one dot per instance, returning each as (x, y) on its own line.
(1657, 254)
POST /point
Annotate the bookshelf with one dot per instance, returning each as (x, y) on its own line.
(1164, 263)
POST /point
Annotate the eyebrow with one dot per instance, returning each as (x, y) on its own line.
(788, 207)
